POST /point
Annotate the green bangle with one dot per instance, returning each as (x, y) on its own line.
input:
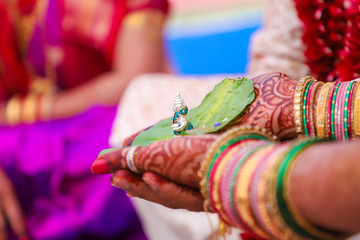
(222, 148)
(333, 112)
(280, 191)
(306, 130)
(346, 109)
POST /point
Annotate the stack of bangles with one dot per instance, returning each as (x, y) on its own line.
(245, 179)
(29, 109)
(335, 116)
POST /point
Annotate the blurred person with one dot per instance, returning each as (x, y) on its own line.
(299, 38)
(64, 64)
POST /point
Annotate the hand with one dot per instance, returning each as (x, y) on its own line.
(10, 210)
(273, 106)
(169, 171)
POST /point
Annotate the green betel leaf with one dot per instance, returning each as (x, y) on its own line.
(227, 101)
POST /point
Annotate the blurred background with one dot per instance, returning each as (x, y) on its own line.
(211, 36)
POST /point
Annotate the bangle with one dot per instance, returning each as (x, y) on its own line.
(311, 108)
(13, 110)
(29, 109)
(240, 133)
(273, 209)
(287, 209)
(45, 107)
(260, 186)
(321, 110)
(298, 96)
(215, 179)
(351, 110)
(243, 189)
(304, 107)
(347, 107)
(332, 112)
(356, 111)
(228, 182)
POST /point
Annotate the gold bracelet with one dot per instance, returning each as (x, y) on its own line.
(298, 97)
(45, 107)
(216, 184)
(29, 108)
(242, 190)
(225, 137)
(356, 110)
(312, 97)
(352, 115)
(13, 110)
(272, 202)
(321, 110)
(303, 223)
(265, 219)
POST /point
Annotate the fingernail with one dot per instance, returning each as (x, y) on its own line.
(151, 182)
(120, 183)
(100, 167)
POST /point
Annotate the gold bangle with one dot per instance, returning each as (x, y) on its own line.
(13, 111)
(265, 220)
(297, 216)
(312, 97)
(242, 190)
(352, 114)
(357, 113)
(45, 107)
(216, 183)
(272, 203)
(29, 109)
(321, 110)
(225, 137)
(298, 97)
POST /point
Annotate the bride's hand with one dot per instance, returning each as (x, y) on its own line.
(169, 170)
(273, 106)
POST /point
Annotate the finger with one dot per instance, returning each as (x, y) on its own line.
(134, 186)
(110, 162)
(3, 230)
(179, 196)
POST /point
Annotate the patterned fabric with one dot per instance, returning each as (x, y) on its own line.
(278, 45)
(49, 162)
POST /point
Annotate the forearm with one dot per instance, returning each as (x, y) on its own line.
(325, 185)
(103, 90)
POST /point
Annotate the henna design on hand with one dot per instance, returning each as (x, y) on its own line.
(177, 159)
(273, 106)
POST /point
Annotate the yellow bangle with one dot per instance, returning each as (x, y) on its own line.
(321, 113)
(242, 190)
(216, 182)
(225, 137)
(45, 107)
(266, 220)
(298, 97)
(13, 111)
(300, 220)
(356, 124)
(29, 108)
(272, 202)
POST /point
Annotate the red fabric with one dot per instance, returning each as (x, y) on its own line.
(13, 76)
(331, 36)
(84, 48)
